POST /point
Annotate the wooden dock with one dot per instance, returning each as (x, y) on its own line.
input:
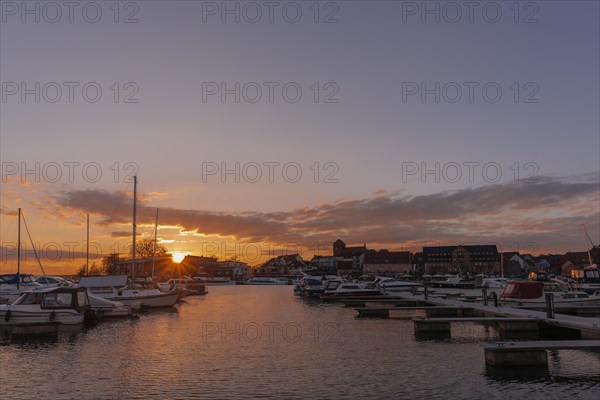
(407, 312)
(512, 354)
(589, 328)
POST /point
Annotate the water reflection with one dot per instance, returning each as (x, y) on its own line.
(247, 342)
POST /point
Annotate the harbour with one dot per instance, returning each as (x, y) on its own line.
(250, 341)
(297, 200)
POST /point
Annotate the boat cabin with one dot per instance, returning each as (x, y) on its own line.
(523, 290)
(57, 298)
(12, 279)
(589, 274)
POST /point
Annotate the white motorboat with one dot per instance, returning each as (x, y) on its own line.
(265, 280)
(315, 285)
(53, 281)
(116, 288)
(12, 286)
(108, 308)
(587, 279)
(68, 306)
(393, 285)
(187, 285)
(533, 294)
(214, 281)
(494, 283)
(336, 289)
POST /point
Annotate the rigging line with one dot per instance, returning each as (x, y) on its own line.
(32, 244)
(12, 222)
(590, 239)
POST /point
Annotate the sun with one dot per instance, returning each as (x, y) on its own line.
(178, 256)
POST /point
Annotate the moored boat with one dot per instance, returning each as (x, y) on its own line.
(266, 280)
(12, 286)
(214, 281)
(392, 285)
(337, 289)
(315, 285)
(117, 288)
(189, 286)
(587, 279)
(69, 306)
(532, 293)
(105, 308)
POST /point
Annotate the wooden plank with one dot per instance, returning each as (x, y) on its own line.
(400, 308)
(475, 319)
(589, 326)
(543, 345)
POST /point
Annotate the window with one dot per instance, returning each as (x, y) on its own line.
(53, 300)
(82, 299)
(30, 298)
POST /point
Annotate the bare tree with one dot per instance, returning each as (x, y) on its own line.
(144, 249)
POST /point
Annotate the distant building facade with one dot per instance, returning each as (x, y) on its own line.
(384, 261)
(354, 254)
(475, 259)
(291, 264)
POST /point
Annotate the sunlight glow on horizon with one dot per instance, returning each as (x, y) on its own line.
(178, 256)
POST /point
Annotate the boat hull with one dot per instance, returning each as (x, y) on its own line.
(267, 283)
(152, 301)
(358, 293)
(397, 289)
(558, 303)
(15, 317)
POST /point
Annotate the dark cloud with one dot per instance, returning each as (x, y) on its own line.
(467, 215)
(121, 234)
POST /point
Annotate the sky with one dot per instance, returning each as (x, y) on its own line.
(268, 128)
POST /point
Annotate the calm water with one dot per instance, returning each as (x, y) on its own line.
(263, 342)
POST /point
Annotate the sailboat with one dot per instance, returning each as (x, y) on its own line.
(13, 285)
(128, 292)
(31, 303)
(588, 278)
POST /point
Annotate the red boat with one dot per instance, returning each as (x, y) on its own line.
(532, 293)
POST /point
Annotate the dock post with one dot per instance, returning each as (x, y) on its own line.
(503, 357)
(485, 296)
(495, 297)
(425, 329)
(511, 330)
(425, 292)
(550, 305)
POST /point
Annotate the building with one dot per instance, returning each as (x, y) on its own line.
(474, 259)
(384, 261)
(345, 267)
(355, 254)
(325, 264)
(291, 264)
(232, 269)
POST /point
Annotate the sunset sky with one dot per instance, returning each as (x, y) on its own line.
(343, 159)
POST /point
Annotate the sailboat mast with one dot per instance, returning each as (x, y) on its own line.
(587, 237)
(134, 227)
(19, 252)
(154, 246)
(87, 248)
(501, 261)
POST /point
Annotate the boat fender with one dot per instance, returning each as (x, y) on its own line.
(52, 315)
(7, 315)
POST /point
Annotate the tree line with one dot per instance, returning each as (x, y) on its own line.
(108, 265)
